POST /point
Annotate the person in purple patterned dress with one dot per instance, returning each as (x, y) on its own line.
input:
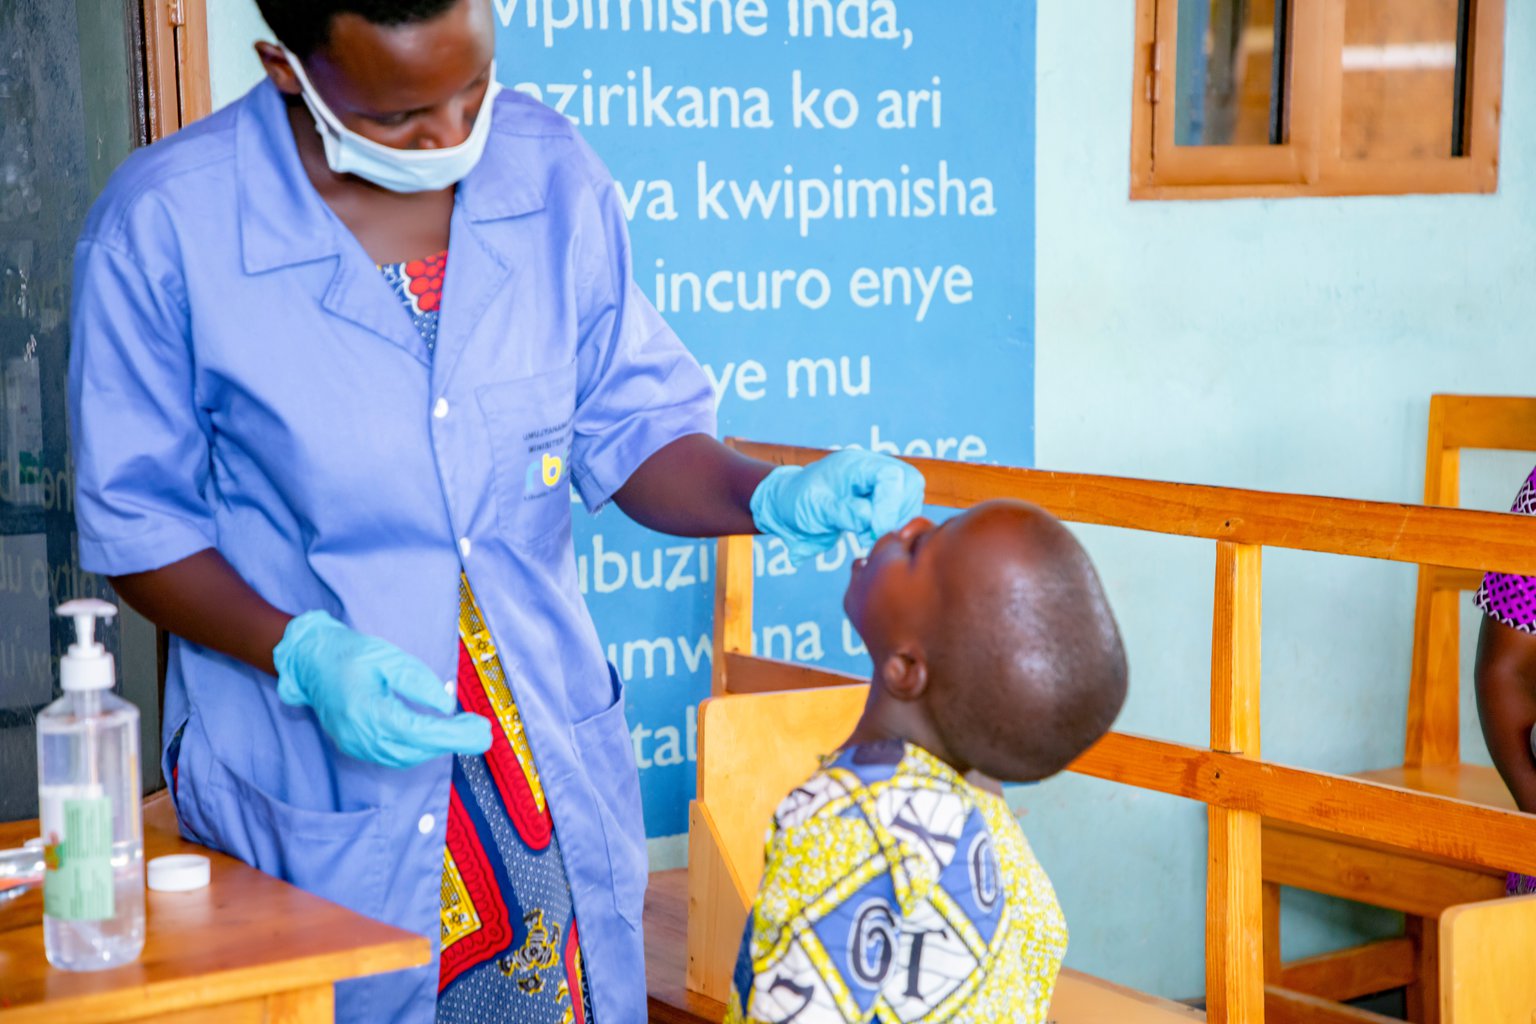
(1506, 678)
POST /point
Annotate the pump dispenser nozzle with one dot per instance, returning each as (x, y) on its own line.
(87, 665)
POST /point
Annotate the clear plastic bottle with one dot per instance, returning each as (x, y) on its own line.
(88, 770)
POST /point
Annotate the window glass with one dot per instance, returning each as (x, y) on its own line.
(1401, 74)
(1229, 56)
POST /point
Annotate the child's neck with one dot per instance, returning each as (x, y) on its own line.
(885, 719)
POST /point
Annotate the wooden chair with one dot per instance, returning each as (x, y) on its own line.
(1452, 839)
(1485, 962)
(1420, 887)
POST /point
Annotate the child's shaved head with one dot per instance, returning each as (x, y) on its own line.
(993, 643)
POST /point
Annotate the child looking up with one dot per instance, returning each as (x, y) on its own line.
(894, 889)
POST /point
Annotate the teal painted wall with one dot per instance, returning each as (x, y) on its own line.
(232, 26)
(1287, 345)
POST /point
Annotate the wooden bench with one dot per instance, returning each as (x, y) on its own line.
(1241, 790)
(247, 949)
(753, 749)
(1079, 998)
(1421, 887)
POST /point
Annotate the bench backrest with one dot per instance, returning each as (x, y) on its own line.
(756, 747)
(1456, 422)
(1228, 774)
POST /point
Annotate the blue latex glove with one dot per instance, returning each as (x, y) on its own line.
(852, 491)
(355, 684)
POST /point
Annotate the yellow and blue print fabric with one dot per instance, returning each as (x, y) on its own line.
(894, 891)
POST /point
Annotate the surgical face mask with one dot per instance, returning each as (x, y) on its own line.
(399, 170)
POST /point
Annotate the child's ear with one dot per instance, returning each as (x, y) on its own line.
(904, 674)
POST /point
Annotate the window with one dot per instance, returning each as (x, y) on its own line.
(1316, 97)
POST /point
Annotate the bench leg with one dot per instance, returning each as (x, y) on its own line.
(1424, 992)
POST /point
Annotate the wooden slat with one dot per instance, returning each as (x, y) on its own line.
(1408, 882)
(718, 904)
(1458, 580)
(1234, 931)
(1433, 734)
(1234, 925)
(1442, 461)
(1283, 1006)
(1487, 422)
(747, 674)
(1458, 538)
(1235, 649)
(1272, 965)
(1434, 684)
(1352, 973)
(733, 606)
(1422, 997)
(1448, 828)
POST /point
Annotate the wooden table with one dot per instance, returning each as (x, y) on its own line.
(246, 949)
(1079, 998)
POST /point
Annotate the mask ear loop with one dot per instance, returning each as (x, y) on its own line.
(332, 125)
(325, 118)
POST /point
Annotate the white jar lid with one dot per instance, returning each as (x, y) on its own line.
(180, 872)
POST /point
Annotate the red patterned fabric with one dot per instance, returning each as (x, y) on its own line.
(533, 825)
(495, 931)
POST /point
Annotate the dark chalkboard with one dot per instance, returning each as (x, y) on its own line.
(70, 111)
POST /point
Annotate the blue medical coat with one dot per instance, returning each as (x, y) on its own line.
(243, 378)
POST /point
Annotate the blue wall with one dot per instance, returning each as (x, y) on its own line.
(1287, 345)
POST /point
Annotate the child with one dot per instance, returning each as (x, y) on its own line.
(894, 889)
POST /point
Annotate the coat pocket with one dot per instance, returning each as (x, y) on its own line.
(339, 855)
(607, 754)
(531, 422)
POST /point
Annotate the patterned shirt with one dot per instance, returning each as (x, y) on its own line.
(896, 891)
(1512, 599)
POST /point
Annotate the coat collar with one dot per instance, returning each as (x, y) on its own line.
(283, 220)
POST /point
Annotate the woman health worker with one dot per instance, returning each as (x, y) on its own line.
(341, 351)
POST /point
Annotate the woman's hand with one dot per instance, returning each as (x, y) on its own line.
(359, 687)
(853, 491)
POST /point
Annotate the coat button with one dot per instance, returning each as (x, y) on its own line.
(464, 546)
(449, 685)
(441, 409)
(426, 824)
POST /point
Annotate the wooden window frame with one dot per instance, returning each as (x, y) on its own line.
(176, 80)
(1309, 161)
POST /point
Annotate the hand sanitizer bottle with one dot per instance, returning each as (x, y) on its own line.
(88, 769)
